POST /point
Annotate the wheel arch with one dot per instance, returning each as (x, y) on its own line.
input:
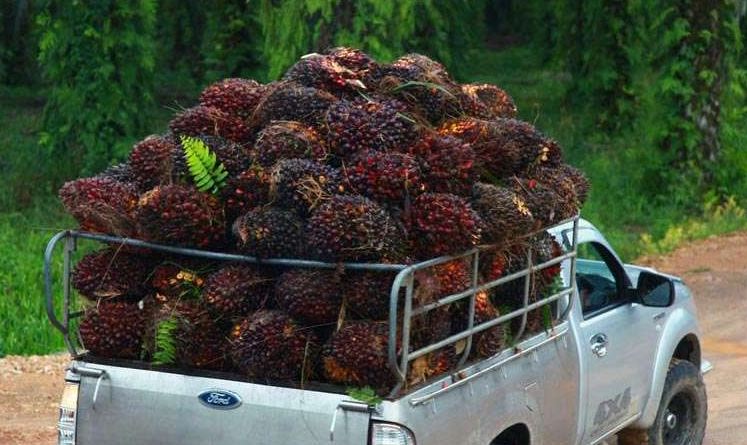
(516, 434)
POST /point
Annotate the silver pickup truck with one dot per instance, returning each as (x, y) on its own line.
(622, 357)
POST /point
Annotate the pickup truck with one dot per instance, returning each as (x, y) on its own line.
(622, 358)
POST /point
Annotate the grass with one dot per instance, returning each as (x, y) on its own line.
(634, 223)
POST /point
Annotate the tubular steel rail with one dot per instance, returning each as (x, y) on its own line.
(405, 278)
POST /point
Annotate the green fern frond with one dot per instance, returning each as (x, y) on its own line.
(365, 394)
(208, 174)
(165, 348)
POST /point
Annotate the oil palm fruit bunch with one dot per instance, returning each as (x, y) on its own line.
(324, 72)
(270, 345)
(288, 139)
(237, 97)
(442, 223)
(121, 173)
(354, 228)
(394, 122)
(177, 278)
(545, 205)
(448, 164)
(109, 273)
(567, 181)
(490, 102)
(351, 58)
(385, 176)
(356, 355)
(101, 205)
(210, 121)
(237, 289)
(180, 215)
(310, 296)
(151, 161)
(366, 294)
(503, 211)
(303, 184)
(113, 329)
(349, 129)
(245, 191)
(269, 232)
(490, 341)
(289, 101)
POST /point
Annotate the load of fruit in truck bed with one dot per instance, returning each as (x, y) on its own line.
(342, 160)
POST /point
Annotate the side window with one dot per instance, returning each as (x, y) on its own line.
(597, 286)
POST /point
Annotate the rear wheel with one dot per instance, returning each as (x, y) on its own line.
(681, 419)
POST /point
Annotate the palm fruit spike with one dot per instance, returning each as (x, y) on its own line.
(210, 121)
(323, 72)
(546, 206)
(442, 223)
(288, 139)
(310, 296)
(356, 355)
(504, 213)
(448, 164)
(151, 161)
(101, 205)
(287, 101)
(236, 289)
(567, 181)
(354, 228)
(180, 215)
(113, 329)
(269, 232)
(351, 58)
(349, 129)
(303, 184)
(245, 191)
(494, 100)
(366, 294)
(270, 345)
(385, 176)
(237, 97)
(111, 274)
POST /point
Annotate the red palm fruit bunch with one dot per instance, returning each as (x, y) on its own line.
(491, 101)
(492, 340)
(180, 215)
(366, 294)
(349, 129)
(356, 355)
(545, 205)
(271, 345)
(443, 280)
(354, 228)
(493, 265)
(151, 161)
(303, 184)
(504, 212)
(394, 122)
(310, 296)
(178, 278)
(112, 274)
(210, 121)
(448, 164)
(567, 181)
(101, 205)
(113, 329)
(245, 191)
(289, 101)
(237, 289)
(237, 97)
(385, 176)
(288, 139)
(351, 58)
(441, 223)
(190, 329)
(269, 232)
(324, 72)
(426, 329)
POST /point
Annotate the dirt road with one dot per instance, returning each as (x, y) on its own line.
(716, 270)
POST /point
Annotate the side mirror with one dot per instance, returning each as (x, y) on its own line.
(654, 290)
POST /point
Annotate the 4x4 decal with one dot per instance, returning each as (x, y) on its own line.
(612, 408)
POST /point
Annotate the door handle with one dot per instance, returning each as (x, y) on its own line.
(599, 344)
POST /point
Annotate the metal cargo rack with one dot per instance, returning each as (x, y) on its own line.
(399, 361)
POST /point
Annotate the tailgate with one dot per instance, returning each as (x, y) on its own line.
(150, 407)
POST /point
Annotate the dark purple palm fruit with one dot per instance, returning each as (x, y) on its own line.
(545, 205)
(357, 355)
(288, 139)
(101, 205)
(110, 274)
(270, 232)
(448, 164)
(354, 228)
(394, 122)
(303, 185)
(151, 161)
(385, 176)
(366, 294)
(568, 182)
(237, 289)
(237, 97)
(288, 101)
(324, 72)
(310, 296)
(351, 58)
(442, 223)
(349, 130)
(121, 173)
(113, 329)
(505, 214)
(180, 277)
(245, 191)
(492, 101)
(270, 345)
(210, 121)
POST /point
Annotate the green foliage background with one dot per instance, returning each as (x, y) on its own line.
(646, 96)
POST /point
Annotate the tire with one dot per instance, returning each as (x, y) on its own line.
(684, 397)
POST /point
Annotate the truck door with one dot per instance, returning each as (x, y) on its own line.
(618, 339)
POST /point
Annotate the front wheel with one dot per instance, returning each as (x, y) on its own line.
(683, 411)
